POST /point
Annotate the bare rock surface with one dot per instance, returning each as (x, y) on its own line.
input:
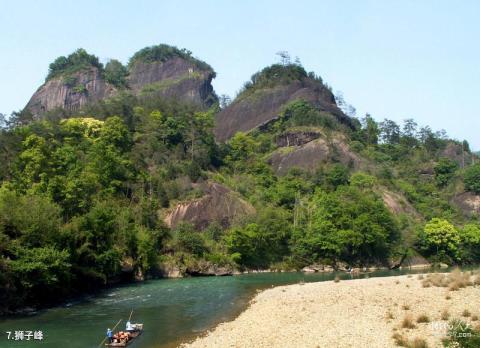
(176, 78)
(81, 88)
(218, 204)
(296, 138)
(468, 202)
(311, 155)
(264, 106)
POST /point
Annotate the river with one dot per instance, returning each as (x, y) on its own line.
(172, 310)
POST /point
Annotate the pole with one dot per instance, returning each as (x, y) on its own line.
(130, 317)
(112, 330)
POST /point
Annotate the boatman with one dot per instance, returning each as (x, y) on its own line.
(129, 327)
(109, 335)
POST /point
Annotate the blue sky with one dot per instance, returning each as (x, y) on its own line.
(393, 59)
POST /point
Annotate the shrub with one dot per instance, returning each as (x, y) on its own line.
(462, 335)
(418, 343)
(445, 315)
(472, 179)
(407, 322)
(423, 318)
(190, 240)
(78, 60)
(400, 340)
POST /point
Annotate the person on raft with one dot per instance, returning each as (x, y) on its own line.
(109, 335)
(129, 328)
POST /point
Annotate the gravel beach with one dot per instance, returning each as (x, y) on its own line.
(350, 313)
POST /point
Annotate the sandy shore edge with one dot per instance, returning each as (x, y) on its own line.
(350, 313)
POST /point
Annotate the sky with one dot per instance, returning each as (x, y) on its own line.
(392, 59)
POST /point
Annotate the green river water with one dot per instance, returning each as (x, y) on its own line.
(172, 310)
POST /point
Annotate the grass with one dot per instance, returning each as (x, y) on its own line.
(406, 307)
(448, 297)
(466, 313)
(453, 281)
(474, 317)
(402, 341)
(389, 315)
(407, 322)
(477, 280)
(418, 343)
(445, 315)
(423, 318)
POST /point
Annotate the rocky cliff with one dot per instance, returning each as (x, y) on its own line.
(176, 78)
(309, 149)
(218, 204)
(70, 92)
(264, 104)
(75, 81)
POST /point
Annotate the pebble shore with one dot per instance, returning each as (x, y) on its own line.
(349, 313)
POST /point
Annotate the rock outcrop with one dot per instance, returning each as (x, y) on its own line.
(292, 138)
(218, 204)
(176, 76)
(397, 204)
(468, 203)
(310, 155)
(264, 106)
(456, 153)
(72, 93)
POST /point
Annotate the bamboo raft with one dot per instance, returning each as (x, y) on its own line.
(123, 338)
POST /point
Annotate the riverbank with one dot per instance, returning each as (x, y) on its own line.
(352, 313)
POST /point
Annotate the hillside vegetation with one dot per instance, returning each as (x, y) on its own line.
(83, 199)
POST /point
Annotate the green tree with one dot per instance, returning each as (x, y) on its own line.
(472, 179)
(189, 240)
(337, 175)
(349, 225)
(264, 241)
(470, 243)
(444, 171)
(389, 132)
(40, 273)
(440, 238)
(116, 73)
(370, 130)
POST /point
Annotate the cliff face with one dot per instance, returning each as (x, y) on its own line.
(218, 204)
(70, 93)
(308, 150)
(176, 78)
(264, 105)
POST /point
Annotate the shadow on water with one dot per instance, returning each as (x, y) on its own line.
(172, 310)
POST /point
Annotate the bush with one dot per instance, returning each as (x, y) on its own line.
(116, 73)
(162, 53)
(462, 335)
(189, 240)
(78, 60)
(444, 171)
(472, 179)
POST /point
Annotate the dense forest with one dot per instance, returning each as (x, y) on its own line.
(83, 195)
